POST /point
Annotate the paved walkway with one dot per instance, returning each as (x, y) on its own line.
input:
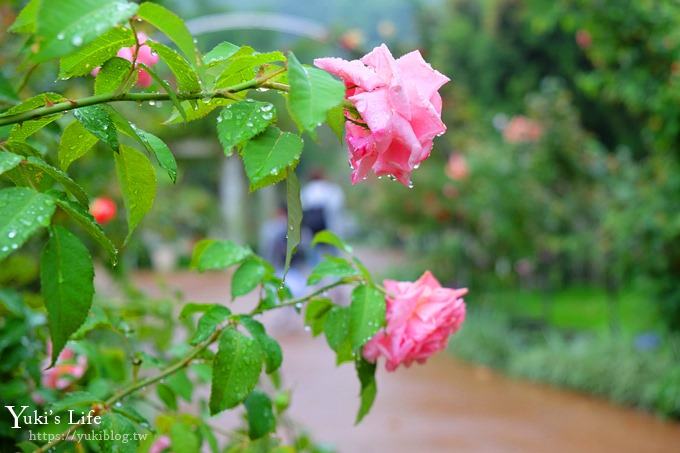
(443, 406)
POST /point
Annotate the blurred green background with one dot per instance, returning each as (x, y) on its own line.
(554, 196)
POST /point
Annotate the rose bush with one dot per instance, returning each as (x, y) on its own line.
(127, 347)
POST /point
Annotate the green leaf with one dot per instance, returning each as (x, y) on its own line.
(192, 308)
(97, 120)
(313, 93)
(220, 52)
(66, 25)
(172, 26)
(336, 120)
(22, 131)
(167, 396)
(8, 161)
(242, 121)
(294, 206)
(328, 237)
(20, 148)
(269, 156)
(331, 266)
(87, 222)
(95, 53)
(187, 80)
(61, 177)
(75, 400)
(25, 21)
(163, 154)
(212, 318)
(273, 356)
(261, 420)
(27, 446)
(181, 384)
(210, 254)
(168, 89)
(236, 370)
(367, 314)
(315, 314)
(369, 388)
(183, 438)
(243, 65)
(120, 425)
(75, 142)
(112, 75)
(137, 179)
(22, 212)
(246, 278)
(66, 279)
(196, 110)
(336, 329)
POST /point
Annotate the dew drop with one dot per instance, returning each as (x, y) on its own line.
(60, 36)
(77, 40)
(12, 234)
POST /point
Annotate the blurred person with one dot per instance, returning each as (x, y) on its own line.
(273, 238)
(323, 203)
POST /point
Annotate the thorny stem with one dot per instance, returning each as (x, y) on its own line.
(183, 363)
(137, 97)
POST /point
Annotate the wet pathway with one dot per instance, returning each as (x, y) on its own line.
(443, 406)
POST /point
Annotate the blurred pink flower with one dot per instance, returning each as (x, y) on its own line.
(399, 103)
(159, 445)
(144, 55)
(69, 368)
(352, 39)
(457, 167)
(584, 39)
(420, 317)
(521, 129)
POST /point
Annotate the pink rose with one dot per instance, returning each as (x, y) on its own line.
(159, 445)
(144, 55)
(400, 111)
(457, 167)
(584, 39)
(68, 369)
(521, 129)
(420, 317)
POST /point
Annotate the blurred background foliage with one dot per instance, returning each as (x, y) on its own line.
(554, 196)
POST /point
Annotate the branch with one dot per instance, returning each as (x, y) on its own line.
(137, 97)
(184, 362)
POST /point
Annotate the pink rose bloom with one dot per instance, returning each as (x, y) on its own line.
(68, 369)
(144, 55)
(420, 317)
(457, 167)
(584, 39)
(400, 110)
(521, 129)
(159, 445)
